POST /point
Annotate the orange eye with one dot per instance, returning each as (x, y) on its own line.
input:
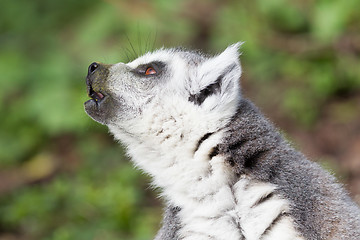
(150, 71)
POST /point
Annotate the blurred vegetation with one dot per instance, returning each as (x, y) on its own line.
(61, 175)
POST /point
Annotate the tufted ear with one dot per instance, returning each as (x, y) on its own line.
(217, 79)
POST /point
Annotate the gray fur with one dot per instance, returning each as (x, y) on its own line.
(170, 225)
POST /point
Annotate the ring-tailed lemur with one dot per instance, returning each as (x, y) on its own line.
(224, 170)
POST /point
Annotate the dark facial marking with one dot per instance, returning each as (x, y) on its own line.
(156, 65)
(200, 97)
(211, 89)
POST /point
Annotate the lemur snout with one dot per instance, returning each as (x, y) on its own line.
(97, 73)
(92, 68)
(95, 81)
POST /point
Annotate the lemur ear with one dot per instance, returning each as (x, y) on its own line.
(217, 79)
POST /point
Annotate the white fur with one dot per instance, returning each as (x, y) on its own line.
(211, 209)
(162, 142)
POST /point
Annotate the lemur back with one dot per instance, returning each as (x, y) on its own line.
(224, 170)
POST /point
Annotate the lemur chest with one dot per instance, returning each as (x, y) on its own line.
(246, 210)
(215, 204)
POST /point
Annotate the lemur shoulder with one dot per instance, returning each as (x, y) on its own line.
(224, 169)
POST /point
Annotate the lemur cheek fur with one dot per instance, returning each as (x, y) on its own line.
(224, 170)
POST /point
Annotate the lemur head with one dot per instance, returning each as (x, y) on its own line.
(168, 93)
(167, 77)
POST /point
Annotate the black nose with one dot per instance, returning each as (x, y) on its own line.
(92, 68)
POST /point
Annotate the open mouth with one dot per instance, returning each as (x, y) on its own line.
(96, 96)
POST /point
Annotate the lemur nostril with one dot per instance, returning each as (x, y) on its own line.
(92, 68)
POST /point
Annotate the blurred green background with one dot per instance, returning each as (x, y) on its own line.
(61, 174)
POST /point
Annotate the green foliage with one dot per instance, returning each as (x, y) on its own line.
(88, 190)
